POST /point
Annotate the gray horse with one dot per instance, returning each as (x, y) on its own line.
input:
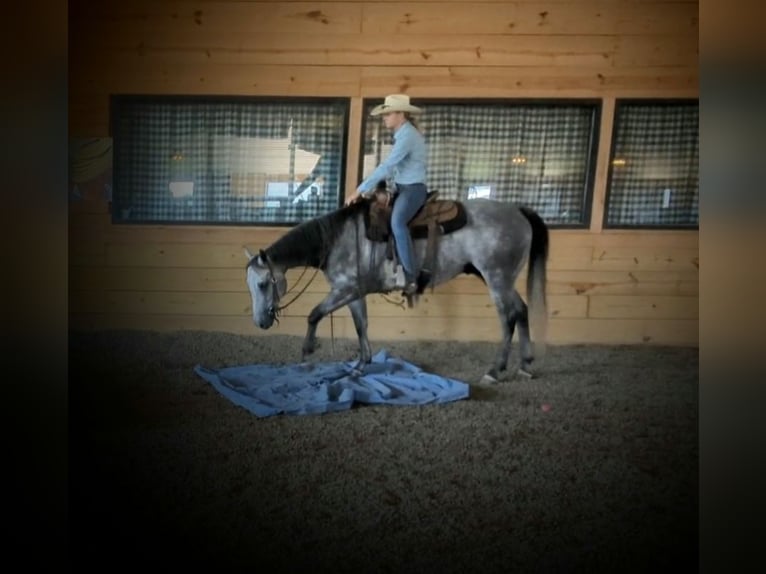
(495, 243)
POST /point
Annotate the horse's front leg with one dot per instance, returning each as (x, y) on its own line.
(335, 300)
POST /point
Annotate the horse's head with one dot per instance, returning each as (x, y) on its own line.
(267, 284)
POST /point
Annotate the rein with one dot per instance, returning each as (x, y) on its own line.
(291, 301)
(277, 308)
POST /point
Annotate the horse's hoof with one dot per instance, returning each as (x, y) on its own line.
(488, 379)
(358, 369)
(309, 349)
(524, 373)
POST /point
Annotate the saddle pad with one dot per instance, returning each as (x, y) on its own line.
(460, 219)
(377, 229)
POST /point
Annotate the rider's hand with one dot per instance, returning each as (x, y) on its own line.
(354, 198)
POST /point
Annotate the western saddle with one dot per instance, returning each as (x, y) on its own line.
(437, 217)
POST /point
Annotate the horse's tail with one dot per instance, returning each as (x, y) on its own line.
(537, 279)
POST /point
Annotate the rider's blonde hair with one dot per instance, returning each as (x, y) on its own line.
(410, 118)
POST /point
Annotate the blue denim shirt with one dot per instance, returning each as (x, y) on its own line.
(406, 162)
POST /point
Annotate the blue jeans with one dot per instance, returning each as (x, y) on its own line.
(410, 198)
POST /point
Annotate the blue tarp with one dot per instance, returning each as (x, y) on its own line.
(309, 388)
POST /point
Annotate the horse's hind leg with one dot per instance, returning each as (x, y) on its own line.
(511, 309)
(507, 313)
(525, 344)
(359, 314)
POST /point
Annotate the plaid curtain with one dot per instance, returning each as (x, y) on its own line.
(654, 171)
(536, 154)
(213, 161)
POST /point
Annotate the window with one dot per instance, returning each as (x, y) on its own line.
(540, 154)
(227, 160)
(654, 165)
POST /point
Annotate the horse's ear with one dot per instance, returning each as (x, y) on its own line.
(262, 253)
(247, 253)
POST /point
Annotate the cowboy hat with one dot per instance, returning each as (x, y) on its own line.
(395, 103)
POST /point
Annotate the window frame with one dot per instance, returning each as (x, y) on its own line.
(597, 104)
(117, 100)
(621, 102)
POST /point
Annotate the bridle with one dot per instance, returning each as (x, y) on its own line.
(275, 308)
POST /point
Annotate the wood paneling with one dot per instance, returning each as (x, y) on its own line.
(438, 304)
(643, 307)
(453, 50)
(630, 283)
(428, 48)
(647, 258)
(649, 282)
(560, 331)
(231, 279)
(604, 286)
(503, 81)
(587, 18)
(156, 74)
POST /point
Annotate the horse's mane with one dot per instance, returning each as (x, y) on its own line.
(310, 242)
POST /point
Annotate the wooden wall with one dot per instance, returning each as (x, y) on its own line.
(604, 285)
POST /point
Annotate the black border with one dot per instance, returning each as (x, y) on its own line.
(590, 175)
(621, 103)
(114, 108)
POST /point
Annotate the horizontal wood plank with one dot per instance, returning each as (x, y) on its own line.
(262, 234)
(228, 255)
(580, 282)
(676, 50)
(158, 74)
(356, 49)
(225, 22)
(439, 81)
(231, 279)
(165, 279)
(643, 307)
(684, 332)
(688, 239)
(176, 255)
(560, 331)
(163, 76)
(265, 235)
(395, 18)
(646, 258)
(456, 305)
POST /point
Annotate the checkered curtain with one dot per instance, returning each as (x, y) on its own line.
(654, 178)
(534, 154)
(159, 141)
